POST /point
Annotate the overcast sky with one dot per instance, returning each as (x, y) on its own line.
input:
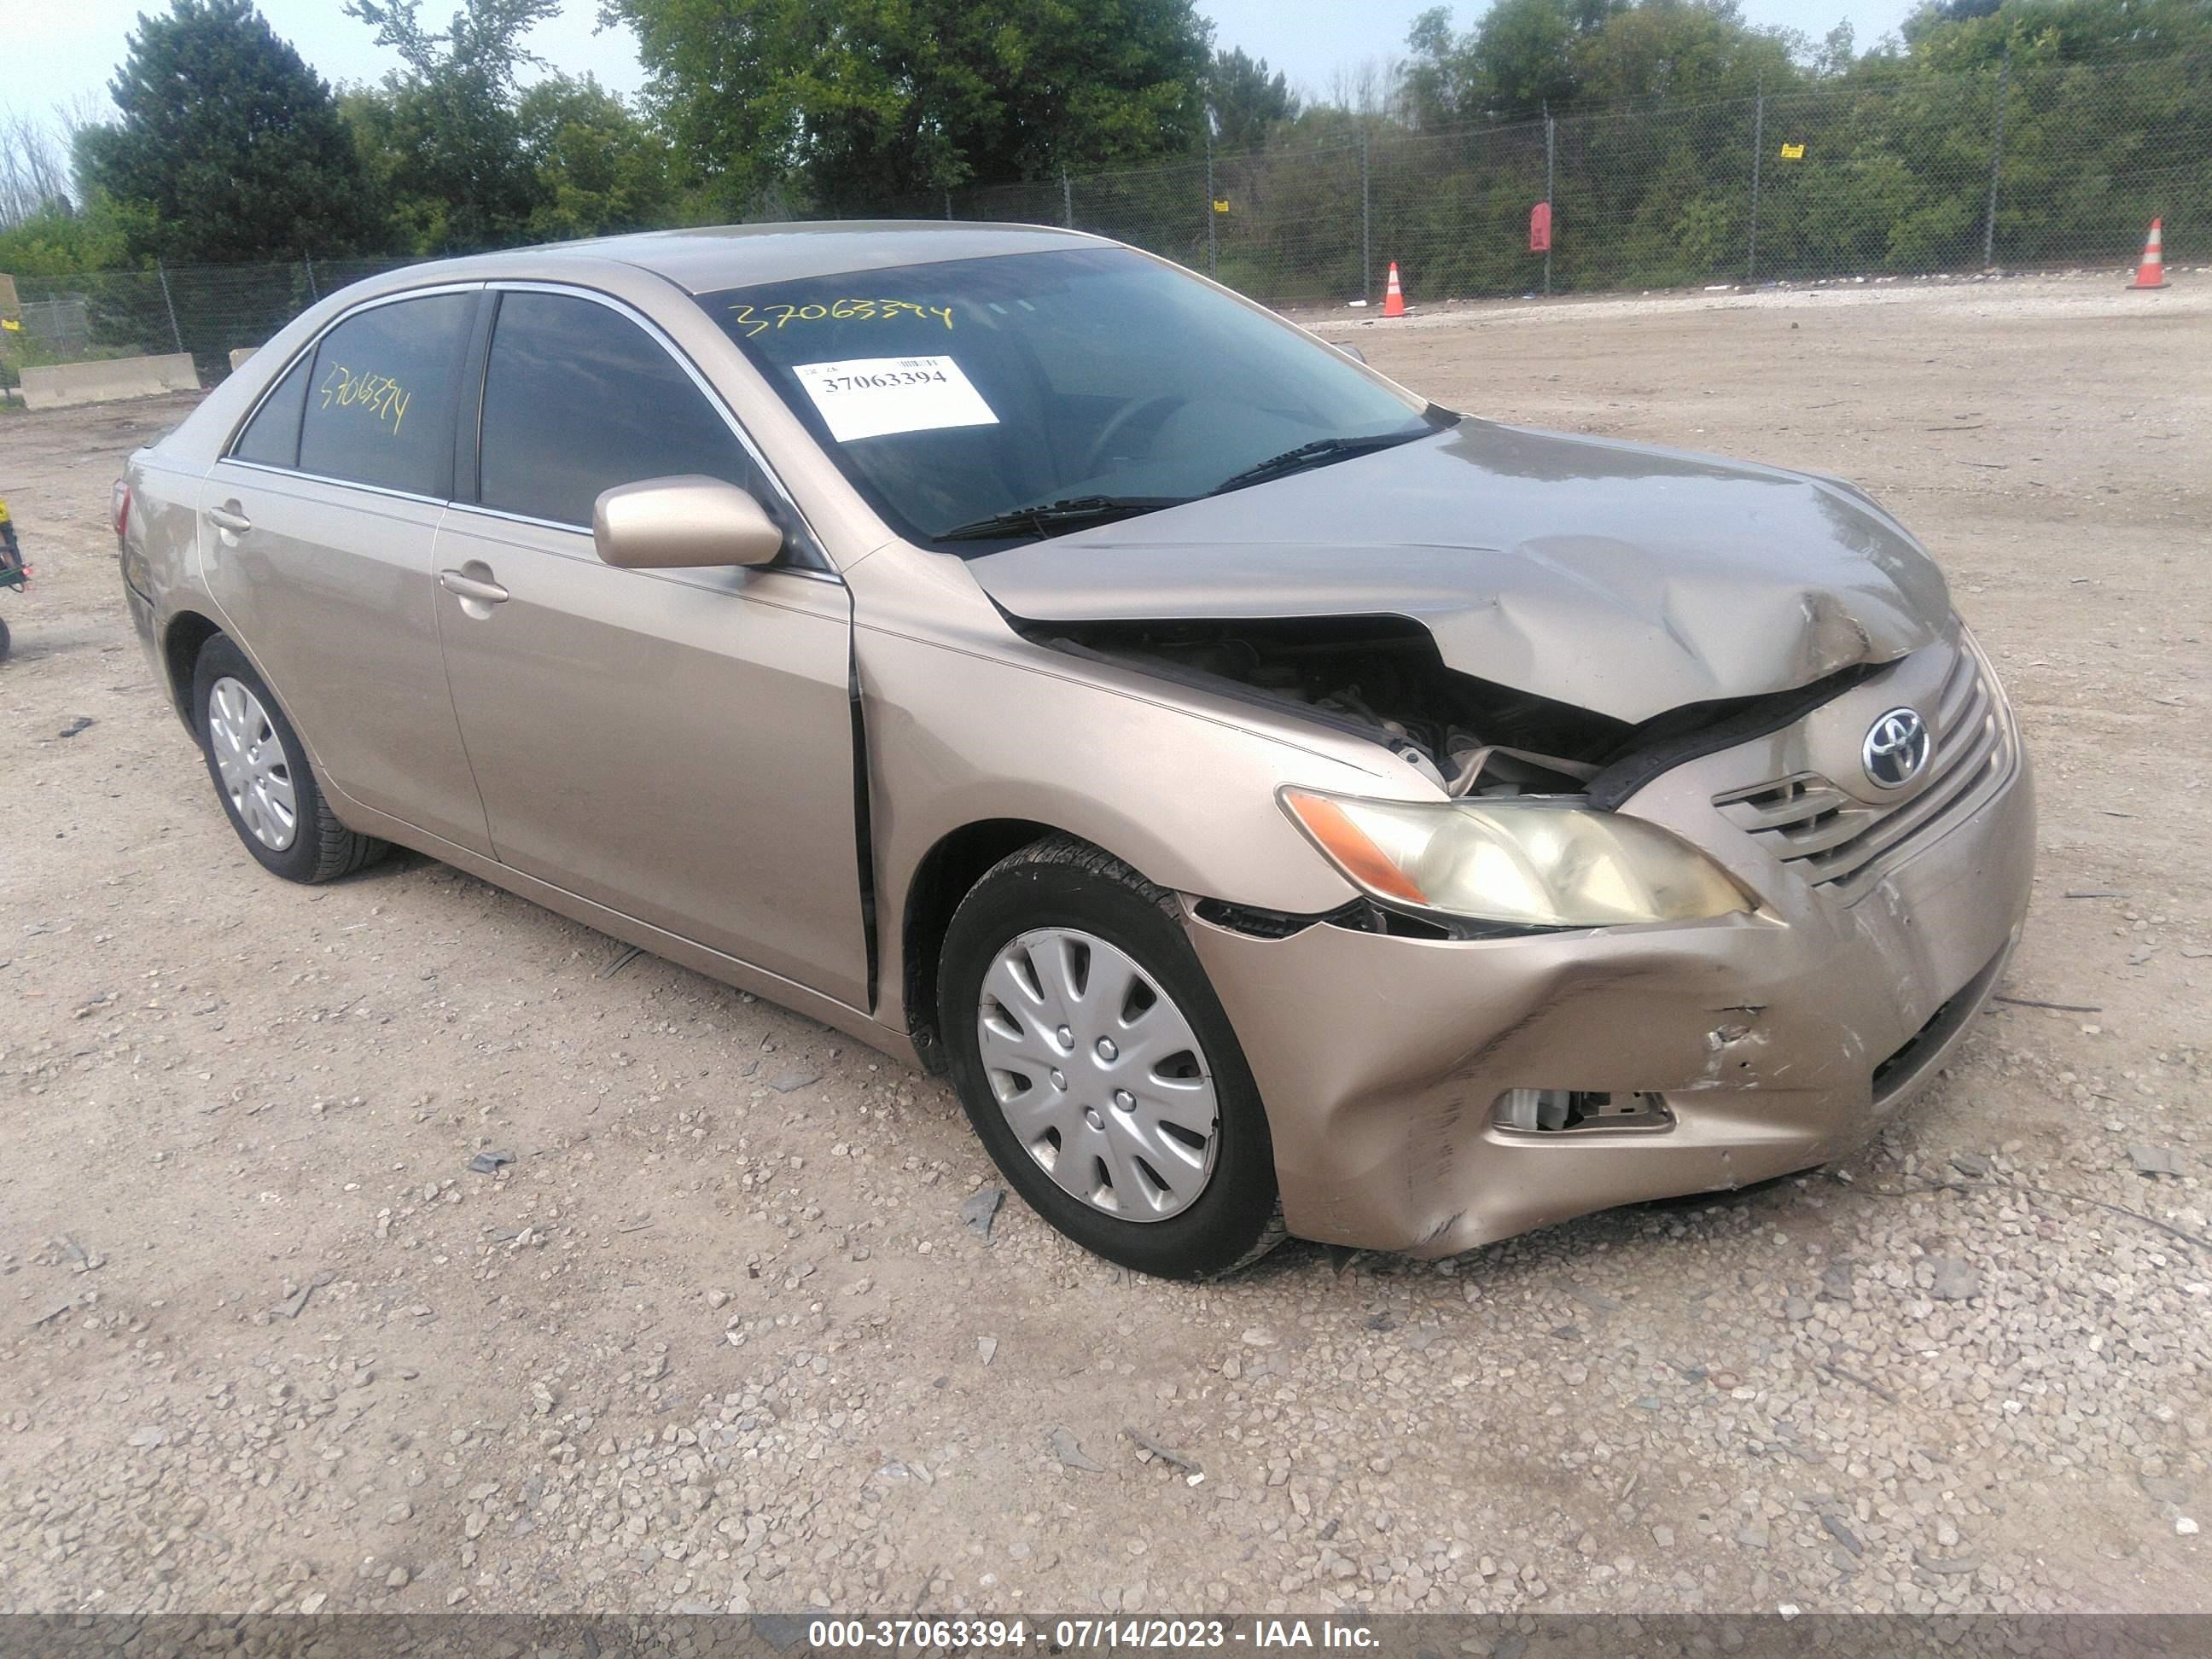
(60, 50)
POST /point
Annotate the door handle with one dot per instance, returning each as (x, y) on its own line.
(230, 519)
(470, 587)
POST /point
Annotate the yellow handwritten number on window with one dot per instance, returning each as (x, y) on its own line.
(758, 320)
(378, 396)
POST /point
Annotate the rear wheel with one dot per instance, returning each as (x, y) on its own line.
(262, 776)
(1098, 1068)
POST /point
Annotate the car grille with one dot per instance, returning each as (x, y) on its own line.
(1838, 841)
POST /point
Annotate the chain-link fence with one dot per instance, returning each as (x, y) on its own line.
(2019, 165)
(208, 311)
(2024, 164)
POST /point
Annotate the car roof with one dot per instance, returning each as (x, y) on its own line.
(711, 257)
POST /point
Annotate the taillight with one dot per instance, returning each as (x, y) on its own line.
(119, 507)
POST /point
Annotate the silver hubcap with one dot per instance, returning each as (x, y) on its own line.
(250, 758)
(1099, 1075)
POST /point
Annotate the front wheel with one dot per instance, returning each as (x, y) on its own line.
(1098, 1068)
(261, 774)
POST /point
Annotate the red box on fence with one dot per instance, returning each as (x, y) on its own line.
(1540, 228)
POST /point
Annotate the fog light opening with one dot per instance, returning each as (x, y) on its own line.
(1562, 1111)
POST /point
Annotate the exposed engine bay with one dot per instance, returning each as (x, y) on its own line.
(1382, 677)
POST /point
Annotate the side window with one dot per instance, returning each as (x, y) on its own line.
(578, 399)
(272, 436)
(379, 400)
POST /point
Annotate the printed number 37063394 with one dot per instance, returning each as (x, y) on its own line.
(758, 320)
(884, 380)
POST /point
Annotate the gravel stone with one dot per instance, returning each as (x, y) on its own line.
(1955, 1280)
(980, 1209)
(2155, 1160)
(1071, 1454)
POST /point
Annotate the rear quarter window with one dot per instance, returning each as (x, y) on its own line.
(381, 395)
(272, 436)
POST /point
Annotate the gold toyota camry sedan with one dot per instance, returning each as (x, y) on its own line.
(1283, 806)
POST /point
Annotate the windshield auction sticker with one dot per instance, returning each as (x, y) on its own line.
(876, 397)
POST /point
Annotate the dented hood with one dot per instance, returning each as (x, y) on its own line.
(1616, 577)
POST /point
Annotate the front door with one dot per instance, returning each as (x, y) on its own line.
(675, 744)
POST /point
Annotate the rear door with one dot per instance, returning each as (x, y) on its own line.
(676, 744)
(317, 532)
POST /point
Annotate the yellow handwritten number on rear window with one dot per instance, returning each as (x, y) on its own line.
(758, 320)
(376, 395)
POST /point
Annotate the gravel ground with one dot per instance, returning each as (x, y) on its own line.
(717, 1337)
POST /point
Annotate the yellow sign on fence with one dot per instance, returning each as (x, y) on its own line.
(1221, 204)
(1793, 152)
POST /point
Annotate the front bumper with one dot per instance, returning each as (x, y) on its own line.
(1381, 1058)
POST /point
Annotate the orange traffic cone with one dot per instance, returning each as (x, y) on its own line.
(1394, 297)
(2151, 273)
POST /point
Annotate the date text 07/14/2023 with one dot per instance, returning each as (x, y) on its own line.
(1088, 1634)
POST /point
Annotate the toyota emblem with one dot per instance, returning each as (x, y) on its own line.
(1896, 748)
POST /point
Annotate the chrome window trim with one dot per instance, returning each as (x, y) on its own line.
(230, 444)
(707, 389)
(522, 285)
(324, 478)
(504, 516)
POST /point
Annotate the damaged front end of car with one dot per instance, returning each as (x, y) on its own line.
(1445, 1081)
(1634, 918)
(1481, 746)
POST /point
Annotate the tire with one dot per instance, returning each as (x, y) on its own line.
(1098, 926)
(276, 779)
(4, 642)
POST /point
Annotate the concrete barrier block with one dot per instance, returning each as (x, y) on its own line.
(56, 386)
(238, 358)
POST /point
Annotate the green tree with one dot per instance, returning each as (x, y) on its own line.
(599, 169)
(1681, 52)
(444, 136)
(1877, 162)
(1836, 52)
(231, 147)
(61, 241)
(1521, 53)
(1953, 35)
(1244, 102)
(861, 102)
(1519, 59)
(1436, 82)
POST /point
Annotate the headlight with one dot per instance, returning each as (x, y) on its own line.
(1527, 862)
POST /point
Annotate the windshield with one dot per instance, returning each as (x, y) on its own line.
(1095, 381)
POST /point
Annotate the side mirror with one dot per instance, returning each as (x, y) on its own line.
(1353, 352)
(683, 523)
